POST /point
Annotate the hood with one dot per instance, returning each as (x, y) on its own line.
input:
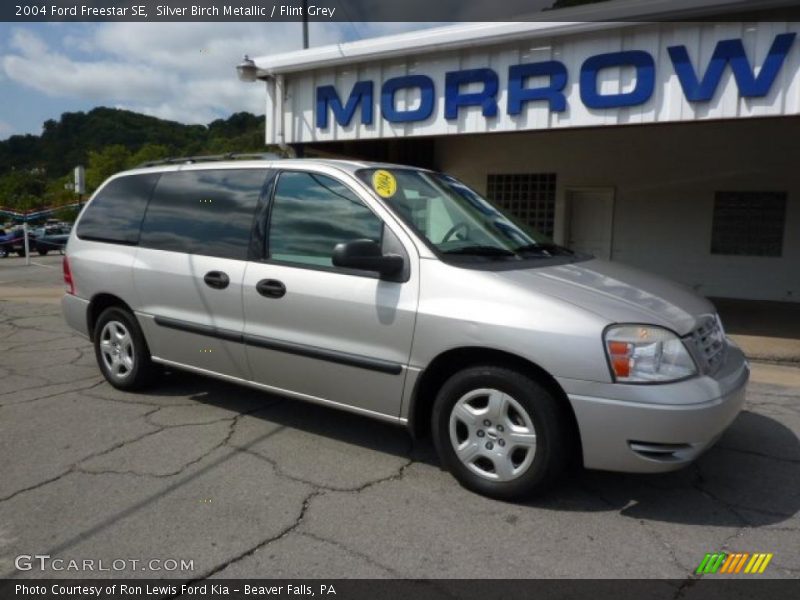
(619, 293)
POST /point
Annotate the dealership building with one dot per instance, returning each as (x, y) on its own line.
(671, 146)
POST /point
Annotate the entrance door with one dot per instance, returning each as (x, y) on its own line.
(591, 220)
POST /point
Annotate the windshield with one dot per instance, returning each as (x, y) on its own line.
(454, 219)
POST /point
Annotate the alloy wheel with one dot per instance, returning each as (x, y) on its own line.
(116, 348)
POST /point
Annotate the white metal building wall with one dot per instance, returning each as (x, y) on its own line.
(668, 104)
(665, 179)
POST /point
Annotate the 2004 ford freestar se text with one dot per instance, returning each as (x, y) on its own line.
(401, 294)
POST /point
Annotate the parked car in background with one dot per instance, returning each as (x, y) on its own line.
(5, 240)
(45, 239)
(12, 241)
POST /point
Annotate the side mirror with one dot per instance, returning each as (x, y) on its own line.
(367, 256)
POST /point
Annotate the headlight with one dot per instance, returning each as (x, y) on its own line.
(645, 353)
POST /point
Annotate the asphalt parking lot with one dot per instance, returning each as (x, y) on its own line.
(250, 485)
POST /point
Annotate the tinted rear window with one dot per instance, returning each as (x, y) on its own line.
(207, 212)
(115, 214)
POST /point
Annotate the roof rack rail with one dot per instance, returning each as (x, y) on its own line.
(176, 160)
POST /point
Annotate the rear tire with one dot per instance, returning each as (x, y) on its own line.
(42, 251)
(500, 433)
(121, 350)
(21, 252)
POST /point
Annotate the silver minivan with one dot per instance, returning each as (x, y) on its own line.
(401, 294)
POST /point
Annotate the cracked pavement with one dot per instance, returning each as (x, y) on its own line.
(246, 484)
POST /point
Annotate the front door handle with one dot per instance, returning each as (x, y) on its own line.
(271, 288)
(217, 280)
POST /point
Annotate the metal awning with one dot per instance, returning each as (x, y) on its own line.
(615, 14)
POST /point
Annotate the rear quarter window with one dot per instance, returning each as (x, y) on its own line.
(208, 212)
(115, 214)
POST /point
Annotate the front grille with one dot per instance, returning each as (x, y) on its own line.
(709, 344)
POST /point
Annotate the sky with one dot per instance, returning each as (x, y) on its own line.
(179, 71)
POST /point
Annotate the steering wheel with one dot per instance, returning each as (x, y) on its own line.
(453, 230)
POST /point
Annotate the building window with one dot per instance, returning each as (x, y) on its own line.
(531, 197)
(748, 223)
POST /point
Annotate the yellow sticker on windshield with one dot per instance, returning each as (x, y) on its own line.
(384, 183)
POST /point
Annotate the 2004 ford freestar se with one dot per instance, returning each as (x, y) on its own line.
(401, 294)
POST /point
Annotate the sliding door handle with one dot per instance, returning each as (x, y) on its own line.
(217, 280)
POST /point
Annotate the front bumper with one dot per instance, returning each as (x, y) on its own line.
(655, 428)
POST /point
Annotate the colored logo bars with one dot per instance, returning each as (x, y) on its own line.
(738, 562)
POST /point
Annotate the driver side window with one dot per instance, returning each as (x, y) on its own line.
(311, 214)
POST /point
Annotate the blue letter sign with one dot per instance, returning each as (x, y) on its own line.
(730, 51)
(553, 94)
(698, 84)
(422, 112)
(642, 91)
(327, 96)
(453, 98)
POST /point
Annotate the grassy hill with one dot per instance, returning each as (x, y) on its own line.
(34, 168)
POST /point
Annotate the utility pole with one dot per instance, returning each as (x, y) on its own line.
(80, 184)
(305, 24)
(27, 245)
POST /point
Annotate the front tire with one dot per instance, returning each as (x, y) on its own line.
(499, 432)
(121, 350)
(42, 251)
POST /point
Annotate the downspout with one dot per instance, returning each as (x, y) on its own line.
(279, 129)
(269, 109)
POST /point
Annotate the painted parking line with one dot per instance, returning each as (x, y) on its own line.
(41, 265)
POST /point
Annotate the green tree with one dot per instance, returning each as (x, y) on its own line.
(104, 163)
(108, 140)
(57, 192)
(22, 189)
(147, 153)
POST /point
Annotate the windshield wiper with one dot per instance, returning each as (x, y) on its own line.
(545, 249)
(480, 251)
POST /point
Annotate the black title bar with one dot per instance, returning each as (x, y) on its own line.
(708, 588)
(148, 11)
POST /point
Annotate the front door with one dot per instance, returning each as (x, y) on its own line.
(326, 334)
(591, 220)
